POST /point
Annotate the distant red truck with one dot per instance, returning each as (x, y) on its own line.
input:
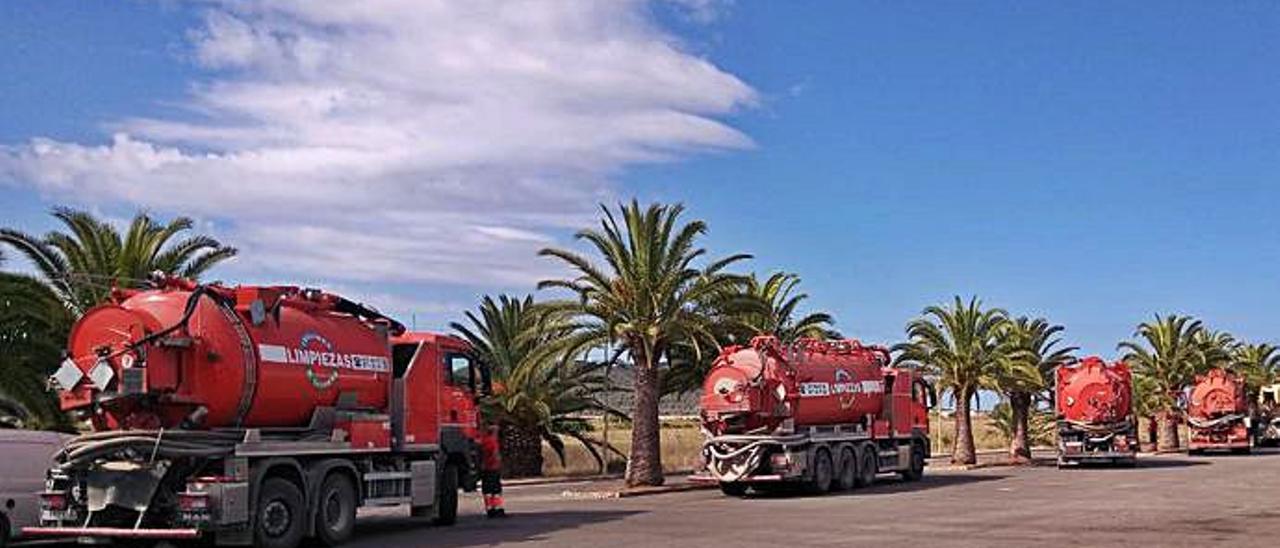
(1096, 423)
(1217, 413)
(825, 415)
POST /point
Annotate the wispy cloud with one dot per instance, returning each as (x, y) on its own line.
(403, 140)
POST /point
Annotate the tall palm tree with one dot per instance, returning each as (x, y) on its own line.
(648, 298)
(1259, 363)
(778, 295)
(33, 329)
(1167, 352)
(84, 262)
(536, 396)
(961, 344)
(1032, 351)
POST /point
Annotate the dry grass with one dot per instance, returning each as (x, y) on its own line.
(682, 445)
(681, 449)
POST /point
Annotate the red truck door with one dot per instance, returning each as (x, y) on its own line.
(458, 408)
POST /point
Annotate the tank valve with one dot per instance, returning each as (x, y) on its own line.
(195, 419)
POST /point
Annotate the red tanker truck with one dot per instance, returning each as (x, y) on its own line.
(256, 415)
(821, 414)
(1217, 412)
(1096, 422)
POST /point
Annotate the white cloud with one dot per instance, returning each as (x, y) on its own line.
(402, 140)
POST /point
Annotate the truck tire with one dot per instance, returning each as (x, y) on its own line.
(866, 465)
(336, 510)
(733, 488)
(848, 477)
(915, 470)
(280, 515)
(823, 471)
(447, 508)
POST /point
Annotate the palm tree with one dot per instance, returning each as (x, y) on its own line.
(962, 346)
(1032, 357)
(1217, 349)
(1168, 351)
(1039, 428)
(648, 298)
(83, 263)
(1259, 364)
(777, 295)
(536, 396)
(753, 308)
(33, 329)
(1147, 403)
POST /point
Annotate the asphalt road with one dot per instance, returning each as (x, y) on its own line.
(1165, 501)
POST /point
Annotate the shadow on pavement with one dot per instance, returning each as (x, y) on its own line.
(1169, 463)
(474, 530)
(883, 486)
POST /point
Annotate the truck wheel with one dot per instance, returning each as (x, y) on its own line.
(447, 511)
(866, 465)
(280, 515)
(336, 512)
(823, 471)
(915, 470)
(733, 488)
(848, 476)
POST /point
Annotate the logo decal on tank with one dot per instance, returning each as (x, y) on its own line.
(321, 360)
(844, 387)
(313, 348)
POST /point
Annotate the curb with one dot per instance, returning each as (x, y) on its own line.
(636, 491)
(520, 482)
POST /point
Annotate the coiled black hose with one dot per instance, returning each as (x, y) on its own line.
(86, 449)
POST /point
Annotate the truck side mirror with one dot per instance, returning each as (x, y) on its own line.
(482, 386)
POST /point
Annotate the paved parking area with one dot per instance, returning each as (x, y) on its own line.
(1169, 500)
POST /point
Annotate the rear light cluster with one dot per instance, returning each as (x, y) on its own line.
(57, 507)
(781, 463)
(54, 501)
(193, 502)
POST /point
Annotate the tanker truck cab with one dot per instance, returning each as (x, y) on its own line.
(439, 387)
(256, 416)
(825, 415)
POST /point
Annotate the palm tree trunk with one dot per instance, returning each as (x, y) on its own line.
(1168, 440)
(645, 465)
(1152, 437)
(1020, 444)
(521, 451)
(964, 452)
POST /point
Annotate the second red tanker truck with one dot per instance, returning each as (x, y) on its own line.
(825, 415)
(1217, 413)
(1096, 422)
(256, 415)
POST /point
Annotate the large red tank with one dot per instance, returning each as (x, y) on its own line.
(755, 388)
(1091, 391)
(1216, 394)
(213, 356)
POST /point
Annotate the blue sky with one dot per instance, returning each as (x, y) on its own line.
(1088, 162)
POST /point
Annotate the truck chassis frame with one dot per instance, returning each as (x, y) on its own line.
(818, 459)
(323, 483)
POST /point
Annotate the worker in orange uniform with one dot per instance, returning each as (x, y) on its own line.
(491, 473)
